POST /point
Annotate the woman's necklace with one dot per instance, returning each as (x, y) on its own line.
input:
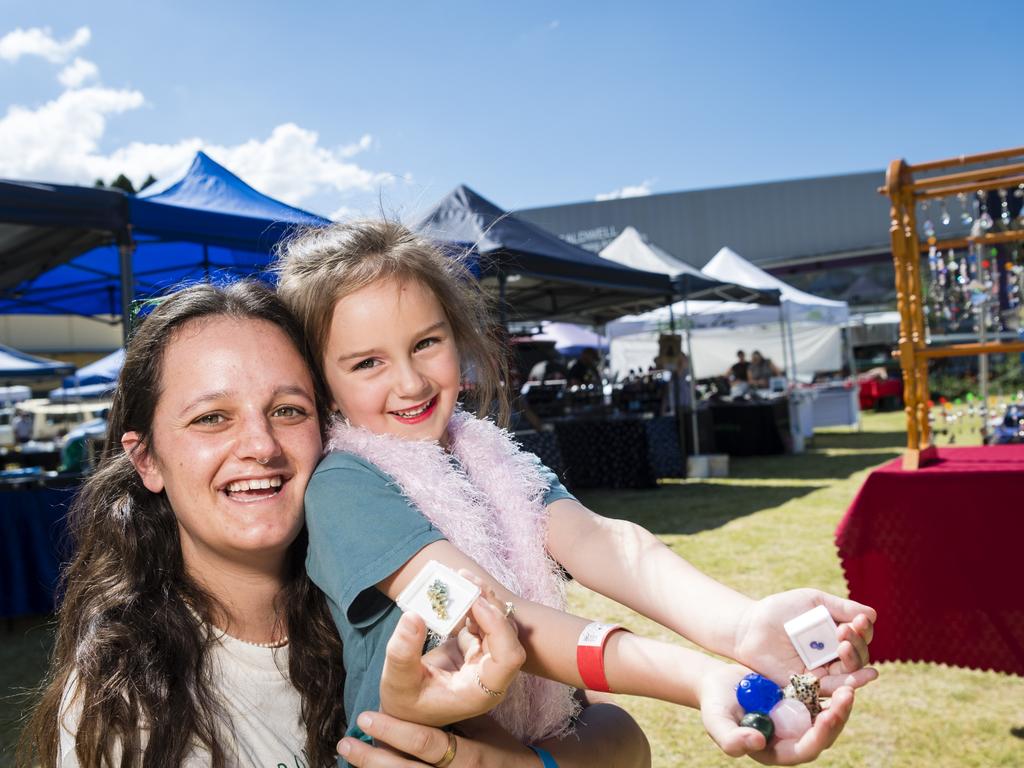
(272, 644)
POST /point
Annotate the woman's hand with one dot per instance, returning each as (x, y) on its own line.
(423, 745)
(762, 643)
(721, 714)
(462, 678)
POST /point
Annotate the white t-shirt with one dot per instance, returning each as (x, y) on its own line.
(264, 708)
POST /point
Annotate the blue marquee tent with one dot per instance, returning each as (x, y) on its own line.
(205, 223)
(18, 365)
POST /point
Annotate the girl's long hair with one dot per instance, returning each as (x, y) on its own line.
(124, 627)
(321, 265)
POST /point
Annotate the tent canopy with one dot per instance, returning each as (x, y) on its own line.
(201, 223)
(19, 365)
(632, 250)
(729, 265)
(101, 371)
(546, 277)
(45, 225)
(815, 324)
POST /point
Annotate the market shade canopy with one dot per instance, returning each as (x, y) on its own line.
(102, 371)
(729, 265)
(18, 365)
(632, 250)
(45, 225)
(545, 277)
(203, 223)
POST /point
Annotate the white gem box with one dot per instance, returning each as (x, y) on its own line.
(813, 634)
(440, 595)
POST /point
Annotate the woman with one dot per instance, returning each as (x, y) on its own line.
(761, 370)
(189, 633)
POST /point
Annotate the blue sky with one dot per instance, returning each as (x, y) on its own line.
(334, 106)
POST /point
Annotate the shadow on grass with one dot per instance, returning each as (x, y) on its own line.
(693, 507)
(860, 440)
(813, 465)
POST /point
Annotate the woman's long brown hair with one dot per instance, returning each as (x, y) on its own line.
(124, 627)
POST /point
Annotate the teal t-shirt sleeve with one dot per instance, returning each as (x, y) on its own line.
(361, 530)
(556, 490)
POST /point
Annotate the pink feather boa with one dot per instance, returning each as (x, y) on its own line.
(492, 509)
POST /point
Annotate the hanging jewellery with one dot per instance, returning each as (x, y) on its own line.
(943, 212)
(928, 226)
(965, 209)
(984, 218)
(1004, 207)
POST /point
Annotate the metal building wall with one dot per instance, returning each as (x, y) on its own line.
(774, 223)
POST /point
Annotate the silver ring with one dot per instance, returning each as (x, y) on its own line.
(510, 610)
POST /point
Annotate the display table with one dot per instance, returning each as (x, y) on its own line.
(937, 553)
(32, 534)
(836, 405)
(608, 453)
(750, 428)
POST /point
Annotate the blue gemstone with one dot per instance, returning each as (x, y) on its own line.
(756, 693)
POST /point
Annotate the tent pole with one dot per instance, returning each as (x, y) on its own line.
(851, 361)
(792, 344)
(502, 312)
(782, 333)
(693, 381)
(125, 250)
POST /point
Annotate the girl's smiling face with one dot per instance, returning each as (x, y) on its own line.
(391, 363)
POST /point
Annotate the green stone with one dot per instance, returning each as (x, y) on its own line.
(759, 722)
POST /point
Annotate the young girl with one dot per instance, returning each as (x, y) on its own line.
(410, 477)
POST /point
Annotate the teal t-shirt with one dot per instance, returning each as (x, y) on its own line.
(361, 530)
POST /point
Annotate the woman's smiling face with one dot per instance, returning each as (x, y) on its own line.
(391, 364)
(235, 438)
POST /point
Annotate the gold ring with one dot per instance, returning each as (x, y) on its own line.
(510, 610)
(488, 691)
(448, 756)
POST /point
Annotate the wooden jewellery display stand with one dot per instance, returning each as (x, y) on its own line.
(938, 179)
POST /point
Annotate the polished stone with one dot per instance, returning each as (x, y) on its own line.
(759, 722)
(791, 719)
(757, 693)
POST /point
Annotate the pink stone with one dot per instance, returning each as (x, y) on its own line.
(791, 719)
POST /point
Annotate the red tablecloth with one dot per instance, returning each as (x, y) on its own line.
(874, 389)
(940, 554)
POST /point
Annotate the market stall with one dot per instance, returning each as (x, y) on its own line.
(931, 539)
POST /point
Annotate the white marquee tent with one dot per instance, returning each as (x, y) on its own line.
(814, 323)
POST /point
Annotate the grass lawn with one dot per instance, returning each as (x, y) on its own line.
(766, 528)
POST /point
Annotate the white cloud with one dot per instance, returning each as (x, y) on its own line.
(291, 164)
(39, 41)
(77, 72)
(636, 190)
(61, 140)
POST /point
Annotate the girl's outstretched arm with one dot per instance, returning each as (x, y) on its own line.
(637, 665)
(630, 565)
(633, 664)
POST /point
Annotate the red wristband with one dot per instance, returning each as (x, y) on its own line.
(590, 655)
